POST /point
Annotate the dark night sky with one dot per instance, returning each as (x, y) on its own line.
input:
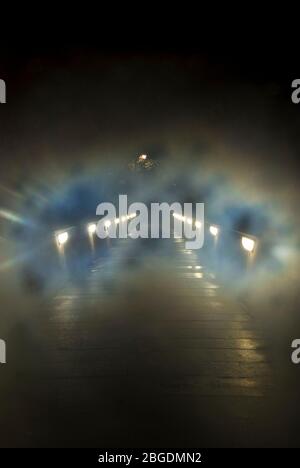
(57, 95)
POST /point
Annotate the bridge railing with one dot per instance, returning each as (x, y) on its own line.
(222, 246)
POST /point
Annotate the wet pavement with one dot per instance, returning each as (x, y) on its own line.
(146, 350)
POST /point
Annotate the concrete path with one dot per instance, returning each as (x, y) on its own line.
(147, 351)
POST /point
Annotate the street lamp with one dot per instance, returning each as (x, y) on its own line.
(214, 230)
(248, 244)
(143, 157)
(92, 228)
(62, 238)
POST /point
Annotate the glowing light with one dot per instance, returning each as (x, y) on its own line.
(189, 221)
(62, 238)
(198, 275)
(143, 157)
(107, 223)
(123, 218)
(92, 228)
(198, 224)
(117, 221)
(214, 230)
(248, 244)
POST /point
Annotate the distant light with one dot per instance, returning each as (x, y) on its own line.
(62, 238)
(198, 224)
(189, 221)
(214, 230)
(123, 218)
(143, 157)
(198, 275)
(117, 221)
(92, 228)
(107, 223)
(248, 244)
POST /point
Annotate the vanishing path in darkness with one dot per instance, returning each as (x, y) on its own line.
(148, 351)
